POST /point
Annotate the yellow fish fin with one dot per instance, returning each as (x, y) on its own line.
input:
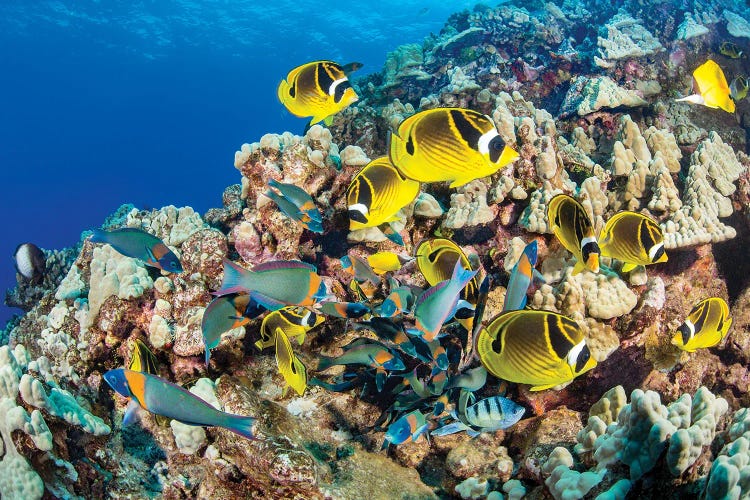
(328, 120)
(727, 324)
(627, 267)
(580, 266)
(544, 387)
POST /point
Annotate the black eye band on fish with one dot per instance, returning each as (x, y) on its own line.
(583, 358)
(687, 330)
(589, 246)
(496, 147)
(339, 87)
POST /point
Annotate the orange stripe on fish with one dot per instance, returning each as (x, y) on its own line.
(137, 386)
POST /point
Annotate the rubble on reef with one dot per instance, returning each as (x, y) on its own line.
(585, 93)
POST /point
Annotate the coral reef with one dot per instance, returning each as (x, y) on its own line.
(583, 91)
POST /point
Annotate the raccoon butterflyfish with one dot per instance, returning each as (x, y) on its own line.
(705, 326)
(713, 90)
(634, 239)
(439, 302)
(436, 259)
(731, 50)
(376, 194)
(317, 89)
(449, 144)
(293, 321)
(290, 367)
(572, 226)
(221, 315)
(521, 276)
(161, 397)
(275, 284)
(142, 359)
(30, 262)
(738, 88)
(539, 348)
(383, 262)
(136, 243)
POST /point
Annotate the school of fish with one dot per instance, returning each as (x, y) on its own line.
(430, 350)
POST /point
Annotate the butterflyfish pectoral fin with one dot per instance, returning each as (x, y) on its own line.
(580, 266)
(328, 120)
(627, 267)
(132, 414)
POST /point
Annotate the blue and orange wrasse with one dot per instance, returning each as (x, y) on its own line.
(346, 310)
(275, 284)
(436, 259)
(359, 268)
(439, 302)
(221, 315)
(407, 428)
(290, 210)
(367, 354)
(390, 330)
(162, 397)
(521, 276)
(293, 321)
(139, 244)
(400, 300)
(301, 199)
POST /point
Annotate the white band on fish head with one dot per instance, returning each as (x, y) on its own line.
(483, 145)
(359, 207)
(587, 240)
(653, 251)
(336, 83)
(575, 351)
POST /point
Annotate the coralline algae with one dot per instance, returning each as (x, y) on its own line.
(590, 111)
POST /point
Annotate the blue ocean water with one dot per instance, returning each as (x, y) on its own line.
(105, 103)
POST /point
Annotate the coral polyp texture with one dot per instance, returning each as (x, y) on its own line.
(585, 93)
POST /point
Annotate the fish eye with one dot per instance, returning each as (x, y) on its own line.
(496, 147)
(687, 333)
(583, 358)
